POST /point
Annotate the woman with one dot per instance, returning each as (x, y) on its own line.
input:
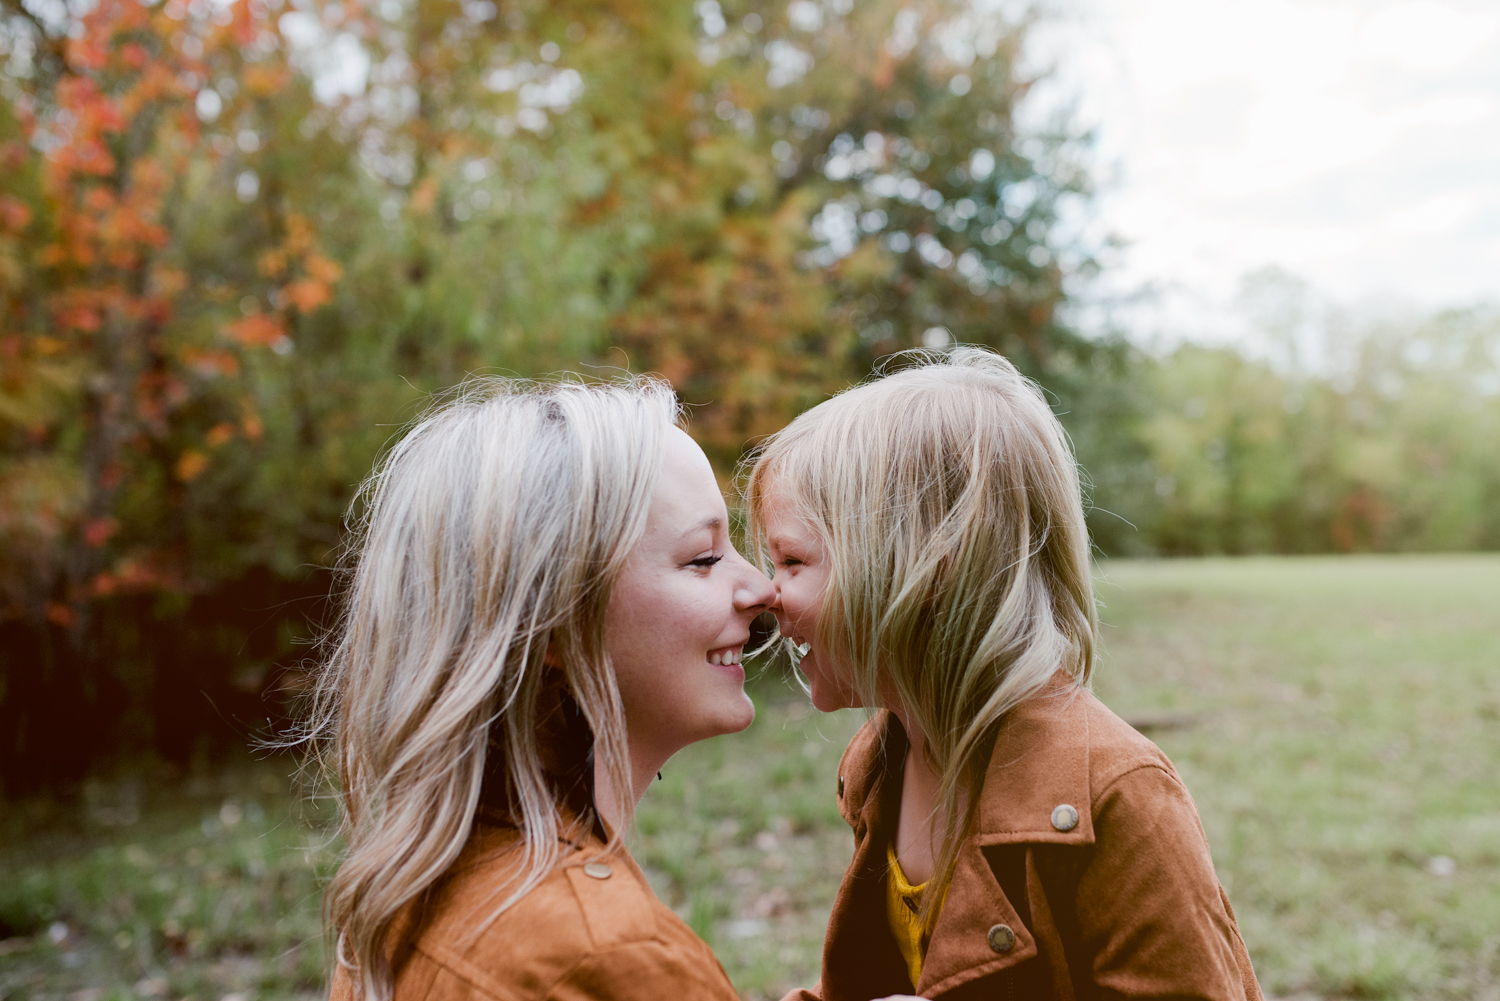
(543, 607)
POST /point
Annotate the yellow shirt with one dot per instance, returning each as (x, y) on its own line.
(902, 902)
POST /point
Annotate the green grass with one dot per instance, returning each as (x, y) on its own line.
(1345, 755)
(204, 888)
(1337, 720)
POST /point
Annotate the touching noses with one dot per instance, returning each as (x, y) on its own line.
(755, 593)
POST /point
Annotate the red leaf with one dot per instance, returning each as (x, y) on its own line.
(97, 532)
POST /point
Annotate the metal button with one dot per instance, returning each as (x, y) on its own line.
(1002, 939)
(1064, 817)
(841, 787)
(598, 870)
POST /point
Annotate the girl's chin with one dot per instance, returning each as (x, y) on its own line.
(828, 698)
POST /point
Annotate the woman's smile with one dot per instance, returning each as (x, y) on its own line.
(684, 588)
(727, 657)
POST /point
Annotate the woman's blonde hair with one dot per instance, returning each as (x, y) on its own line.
(494, 528)
(947, 498)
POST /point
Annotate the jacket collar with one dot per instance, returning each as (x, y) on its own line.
(1040, 762)
(1038, 771)
(1036, 788)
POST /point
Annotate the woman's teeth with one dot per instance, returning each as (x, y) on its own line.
(730, 656)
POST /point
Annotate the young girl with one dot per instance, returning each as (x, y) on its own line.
(1013, 837)
(544, 606)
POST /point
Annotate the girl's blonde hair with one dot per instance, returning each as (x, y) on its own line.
(496, 526)
(947, 498)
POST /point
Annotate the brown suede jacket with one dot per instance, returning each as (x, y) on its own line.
(1088, 874)
(589, 931)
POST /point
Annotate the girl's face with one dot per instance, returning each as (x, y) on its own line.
(679, 615)
(802, 574)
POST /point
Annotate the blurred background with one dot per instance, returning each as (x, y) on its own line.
(1249, 249)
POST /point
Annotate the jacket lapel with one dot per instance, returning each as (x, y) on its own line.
(961, 949)
(862, 960)
(1038, 772)
(1040, 763)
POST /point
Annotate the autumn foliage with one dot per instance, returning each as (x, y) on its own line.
(241, 241)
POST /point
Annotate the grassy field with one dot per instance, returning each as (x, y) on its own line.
(1337, 720)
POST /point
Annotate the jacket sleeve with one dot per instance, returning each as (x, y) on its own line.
(648, 970)
(1151, 915)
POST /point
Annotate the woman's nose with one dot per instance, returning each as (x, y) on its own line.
(755, 593)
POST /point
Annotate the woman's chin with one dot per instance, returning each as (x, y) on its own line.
(740, 715)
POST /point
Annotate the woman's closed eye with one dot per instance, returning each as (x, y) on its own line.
(704, 562)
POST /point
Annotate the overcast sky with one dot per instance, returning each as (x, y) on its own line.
(1353, 142)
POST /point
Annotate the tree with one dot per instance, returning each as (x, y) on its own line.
(233, 264)
(127, 349)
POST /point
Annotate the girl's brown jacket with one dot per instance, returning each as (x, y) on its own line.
(1087, 875)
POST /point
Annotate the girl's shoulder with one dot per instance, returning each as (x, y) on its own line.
(1063, 748)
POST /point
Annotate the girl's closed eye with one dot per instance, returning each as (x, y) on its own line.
(704, 562)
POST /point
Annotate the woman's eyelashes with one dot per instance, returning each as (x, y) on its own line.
(704, 562)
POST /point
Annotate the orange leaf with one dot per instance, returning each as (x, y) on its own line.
(190, 465)
(84, 53)
(299, 233)
(258, 331)
(307, 296)
(14, 213)
(272, 263)
(83, 318)
(211, 362)
(322, 269)
(134, 55)
(263, 81)
(169, 281)
(423, 198)
(218, 435)
(252, 427)
(59, 614)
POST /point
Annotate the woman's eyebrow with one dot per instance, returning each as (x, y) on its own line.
(711, 523)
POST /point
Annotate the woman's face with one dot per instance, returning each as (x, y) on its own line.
(680, 614)
(802, 574)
